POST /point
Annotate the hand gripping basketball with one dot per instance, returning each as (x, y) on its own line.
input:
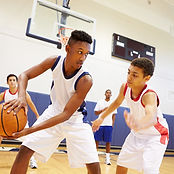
(10, 122)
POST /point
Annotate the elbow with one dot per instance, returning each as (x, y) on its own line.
(67, 115)
(67, 118)
(96, 113)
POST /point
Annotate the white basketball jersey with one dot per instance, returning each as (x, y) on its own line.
(101, 104)
(64, 87)
(137, 110)
(10, 96)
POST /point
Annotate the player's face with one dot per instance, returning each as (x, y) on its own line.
(78, 52)
(135, 77)
(12, 82)
(108, 94)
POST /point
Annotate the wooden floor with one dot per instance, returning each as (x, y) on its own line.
(58, 164)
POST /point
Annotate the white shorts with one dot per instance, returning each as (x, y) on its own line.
(142, 154)
(23, 138)
(80, 142)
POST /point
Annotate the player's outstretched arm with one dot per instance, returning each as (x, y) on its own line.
(150, 103)
(100, 111)
(83, 87)
(114, 105)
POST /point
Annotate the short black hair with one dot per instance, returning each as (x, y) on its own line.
(145, 64)
(108, 90)
(78, 35)
(12, 75)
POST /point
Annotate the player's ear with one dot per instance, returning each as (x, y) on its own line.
(147, 78)
(67, 48)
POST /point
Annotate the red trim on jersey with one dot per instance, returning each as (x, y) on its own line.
(125, 89)
(4, 94)
(136, 99)
(13, 93)
(163, 131)
(150, 90)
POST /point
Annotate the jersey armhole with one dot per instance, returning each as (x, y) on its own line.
(83, 74)
(55, 63)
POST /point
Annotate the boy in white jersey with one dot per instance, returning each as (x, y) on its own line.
(66, 116)
(145, 146)
(105, 131)
(11, 94)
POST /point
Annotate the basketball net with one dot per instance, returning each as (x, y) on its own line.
(64, 39)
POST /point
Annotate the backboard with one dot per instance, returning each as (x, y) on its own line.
(53, 23)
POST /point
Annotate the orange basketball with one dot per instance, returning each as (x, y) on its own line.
(10, 123)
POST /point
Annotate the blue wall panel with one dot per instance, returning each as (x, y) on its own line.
(170, 121)
(41, 102)
(120, 130)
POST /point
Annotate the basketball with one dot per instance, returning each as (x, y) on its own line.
(10, 123)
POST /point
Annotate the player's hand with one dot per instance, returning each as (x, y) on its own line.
(24, 132)
(130, 121)
(96, 124)
(16, 105)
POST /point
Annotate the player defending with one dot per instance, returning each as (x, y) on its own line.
(67, 112)
(145, 146)
(105, 131)
(11, 94)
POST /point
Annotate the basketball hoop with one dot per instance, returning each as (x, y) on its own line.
(64, 39)
(64, 34)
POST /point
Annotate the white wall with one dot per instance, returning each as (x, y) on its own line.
(19, 52)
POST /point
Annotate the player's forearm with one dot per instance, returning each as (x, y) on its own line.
(108, 111)
(22, 85)
(150, 118)
(50, 122)
(99, 112)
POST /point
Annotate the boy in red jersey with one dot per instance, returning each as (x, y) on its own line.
(11, 94)
(145, 146)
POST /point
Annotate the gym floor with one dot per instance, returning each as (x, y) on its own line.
(58, 163)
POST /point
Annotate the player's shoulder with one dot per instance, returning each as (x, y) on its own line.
(52, 58)
(85, 78)
(149, 93)
(49, 61)
(123, 88)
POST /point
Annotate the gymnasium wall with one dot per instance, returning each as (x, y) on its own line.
(120, 130)
(19, 52)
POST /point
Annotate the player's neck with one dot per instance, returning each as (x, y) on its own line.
(137, 90)
(69, 70)
(13, 90)
(107, 99)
